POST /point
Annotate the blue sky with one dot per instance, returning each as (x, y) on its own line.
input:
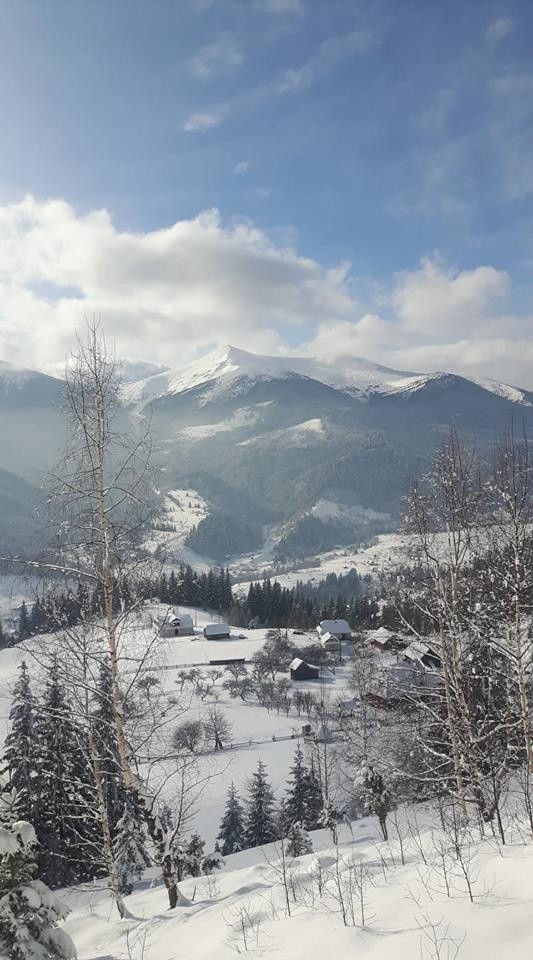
(385, 146)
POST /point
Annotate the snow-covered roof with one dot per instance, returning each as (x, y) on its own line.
(184, 619)
(296, 663)
(334, 627)
(418, 649)
(211, 629)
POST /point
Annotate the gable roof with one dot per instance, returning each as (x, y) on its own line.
(334, 627)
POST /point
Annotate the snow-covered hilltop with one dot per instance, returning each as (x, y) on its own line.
(217, 371)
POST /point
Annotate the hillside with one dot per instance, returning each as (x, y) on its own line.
(391, 909)
(263, 441)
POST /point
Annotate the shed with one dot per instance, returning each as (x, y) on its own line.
(217, 631)
(300, 670)
(330, 642)
(174, 625)
(425, 654)
(337, 628)
(382, 638)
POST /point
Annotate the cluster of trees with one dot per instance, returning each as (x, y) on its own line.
(51, 765)
(259, 820)
(221, 536)
(29, 911)
(471, 521)
(212, 590)
(303, 606)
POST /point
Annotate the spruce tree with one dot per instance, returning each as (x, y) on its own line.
(314, 801)
(295, 803)
(231, 831)
(131, 857)
(29, 912)
(68, 832)
(194, 855)
(298, 840)
(260, 820)
(20, 753)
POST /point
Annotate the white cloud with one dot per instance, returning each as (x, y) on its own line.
(206, 119)
(290, 80)
(219, 57)
(498, 29)
(241, 168)
(329, 53)
(170, 294)
(433, 299)
(164, 295)
(438, 319)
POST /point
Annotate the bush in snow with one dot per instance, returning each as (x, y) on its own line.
(376, 796)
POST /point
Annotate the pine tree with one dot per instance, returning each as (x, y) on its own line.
(129, 849)
(20, 753)
(295, 804)
(260, 823)
(194, 855)
(298, 840)
(68, 832)
(231, 831)
(29, 912)
(314, 801)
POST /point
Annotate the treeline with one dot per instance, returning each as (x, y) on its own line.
(269, 604)
(57, 609)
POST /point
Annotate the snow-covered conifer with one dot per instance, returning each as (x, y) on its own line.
(231, 831)
(375, 795)
(29, 911)
(260, 827)
(20, 753)
(131, 856)
(298, 840)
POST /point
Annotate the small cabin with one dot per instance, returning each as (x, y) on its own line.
(300, 670)
(383, 639)
(174, 625)
(340, 629)
(330, 643)
(217, 631)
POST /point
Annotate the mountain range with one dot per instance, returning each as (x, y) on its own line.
(269, 441)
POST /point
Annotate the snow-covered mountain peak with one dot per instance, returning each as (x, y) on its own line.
(230, 368)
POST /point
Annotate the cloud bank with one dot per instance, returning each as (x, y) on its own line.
(168, 295)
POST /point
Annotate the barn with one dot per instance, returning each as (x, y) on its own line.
(300, 670)
(217, 631)
(174, 625)
(337, 628)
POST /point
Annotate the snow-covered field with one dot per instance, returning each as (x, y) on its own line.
(390, 551)
(255, 734)
(408, 912)
(183, 509)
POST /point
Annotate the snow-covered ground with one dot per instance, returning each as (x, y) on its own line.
(182, 510)
(408, 913)
(390, 551)
(255, 733)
